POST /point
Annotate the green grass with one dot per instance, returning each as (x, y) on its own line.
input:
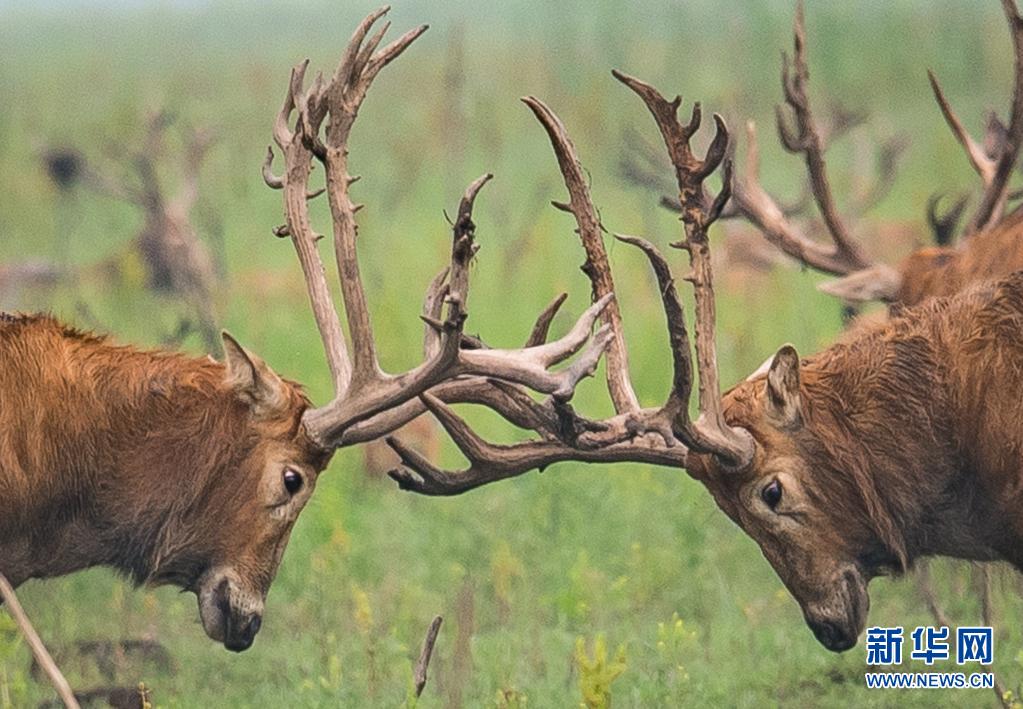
(522, 569)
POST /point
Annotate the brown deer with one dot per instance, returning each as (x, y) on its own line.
(991, 243)
(185, 471)
(888, 447)
(891, 446)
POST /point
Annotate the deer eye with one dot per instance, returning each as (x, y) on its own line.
(771, 494)
(292, 481)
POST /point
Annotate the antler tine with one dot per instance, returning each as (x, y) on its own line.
(294, 183)
(663, 435)
(667, 420)
(464, 248)
(979, 160)
(943, 226)
(596, 267)
(277, 183)
(642, 166)
(808, 141)
(363, 392)
(992, 203)
(710, 432)
(433, 304)
(490, 462)
(995, 160)
(542, 327)
(889, 155)
(799, 135)
(366, 398)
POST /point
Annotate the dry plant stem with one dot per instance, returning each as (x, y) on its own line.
(987, 616)
(425, 654)
(983, 576)
(36, 644)
(923, 579)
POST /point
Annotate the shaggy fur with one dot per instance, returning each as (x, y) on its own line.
(941, 271)
(907, 443)
(148, 462)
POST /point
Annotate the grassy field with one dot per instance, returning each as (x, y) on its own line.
(638, 557)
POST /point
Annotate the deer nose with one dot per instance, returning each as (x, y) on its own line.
(832, 635)
(242, 633)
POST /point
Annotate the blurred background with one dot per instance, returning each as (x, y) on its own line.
(131, 139)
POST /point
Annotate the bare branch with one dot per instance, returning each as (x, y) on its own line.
(42, 656)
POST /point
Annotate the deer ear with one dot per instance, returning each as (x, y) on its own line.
(783, 403)
(252, 380)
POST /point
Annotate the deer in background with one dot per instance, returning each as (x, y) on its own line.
(990, 242)
(176, 259)
(889, 447)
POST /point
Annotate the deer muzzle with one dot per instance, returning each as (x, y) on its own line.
(229, 614)
(838, 619)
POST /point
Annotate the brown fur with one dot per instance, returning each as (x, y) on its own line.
(908, 443)
(938, 271)
(156, 464)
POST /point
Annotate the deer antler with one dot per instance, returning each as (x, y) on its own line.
(362, 389)
(798, 136)
(664, 435)
(995, 159)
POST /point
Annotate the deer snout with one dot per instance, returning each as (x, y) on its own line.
(230, 614)
(840, 616)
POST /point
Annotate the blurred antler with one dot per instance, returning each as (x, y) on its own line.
(177, 261)
(862, 279)
(798, 136)
(995, 159)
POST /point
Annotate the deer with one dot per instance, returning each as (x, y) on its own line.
(176, 260)
(989, 245)
(886, 448)
(178, 470)
(192, 472)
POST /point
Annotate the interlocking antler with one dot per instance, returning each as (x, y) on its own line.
(664, 435)
(995, 159)
(362, 390)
